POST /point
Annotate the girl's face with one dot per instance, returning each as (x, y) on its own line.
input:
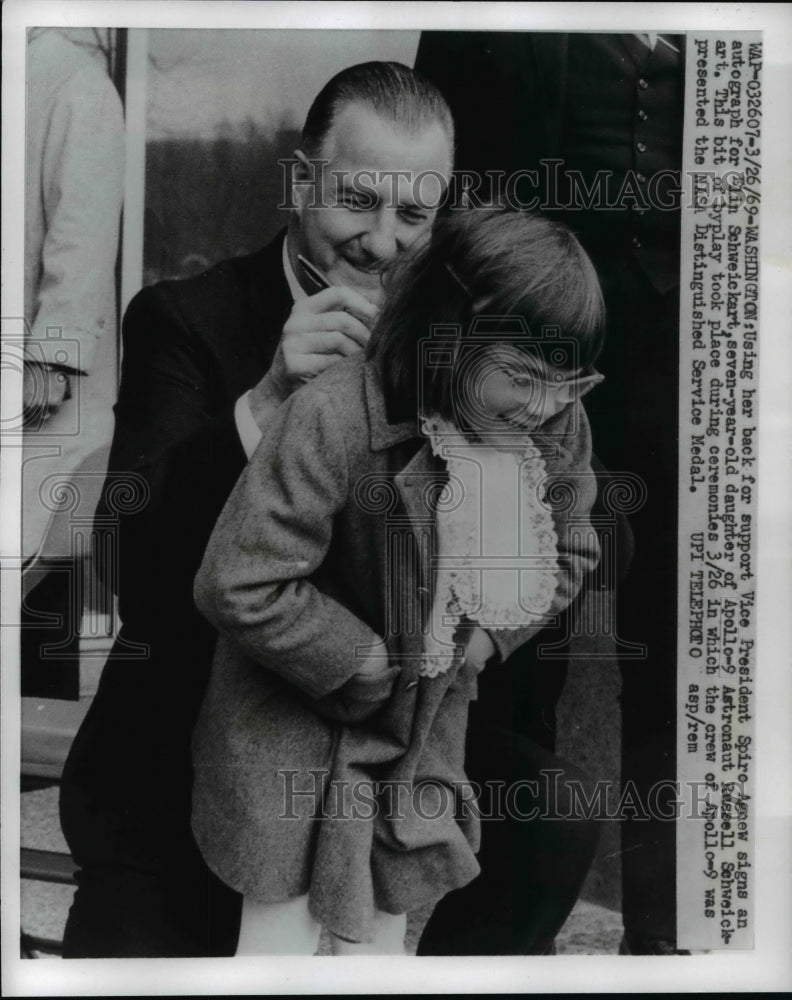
(509, 392)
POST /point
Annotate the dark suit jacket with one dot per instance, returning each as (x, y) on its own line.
(191, 348)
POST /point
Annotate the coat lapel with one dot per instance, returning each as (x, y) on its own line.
(417, 484)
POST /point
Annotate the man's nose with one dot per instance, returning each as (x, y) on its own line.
(380, 240)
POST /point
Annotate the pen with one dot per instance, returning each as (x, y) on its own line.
(314, 274)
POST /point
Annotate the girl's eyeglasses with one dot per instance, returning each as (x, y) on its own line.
(527, 374)
(579, 382)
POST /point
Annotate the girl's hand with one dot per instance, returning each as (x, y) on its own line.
(480, 648)
(375, 661)
(364, 693)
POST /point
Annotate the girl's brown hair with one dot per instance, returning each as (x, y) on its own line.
(482, 274)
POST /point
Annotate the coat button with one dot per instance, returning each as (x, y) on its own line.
(640, 178)
(636, 243)
(642, 115)
(643, 84)
(641, 147)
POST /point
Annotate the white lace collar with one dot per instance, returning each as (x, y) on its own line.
(497, 555)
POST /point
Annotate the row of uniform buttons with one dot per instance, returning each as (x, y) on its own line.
(641, 147)
(642, 115)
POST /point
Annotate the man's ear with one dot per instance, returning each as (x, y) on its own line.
(306, 186)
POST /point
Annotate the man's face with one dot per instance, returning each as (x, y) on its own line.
(376, 196)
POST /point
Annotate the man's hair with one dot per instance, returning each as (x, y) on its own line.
(486, 276)
(394, 91)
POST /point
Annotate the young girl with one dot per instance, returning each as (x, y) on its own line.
(410, 516)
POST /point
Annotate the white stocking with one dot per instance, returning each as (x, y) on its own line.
(388, 938)
(277, 928)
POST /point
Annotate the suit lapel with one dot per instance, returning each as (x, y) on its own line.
(268, 296)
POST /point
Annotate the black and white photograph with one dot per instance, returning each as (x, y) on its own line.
(395, 524)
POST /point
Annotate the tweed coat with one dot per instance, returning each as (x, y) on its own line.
(309, 779)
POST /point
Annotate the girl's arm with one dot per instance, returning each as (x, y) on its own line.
(272, 535)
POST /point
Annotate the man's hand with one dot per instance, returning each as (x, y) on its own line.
(43, 392)
(335, 323)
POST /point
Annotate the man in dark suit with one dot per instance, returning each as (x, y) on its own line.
(588, 128)
(205, 362)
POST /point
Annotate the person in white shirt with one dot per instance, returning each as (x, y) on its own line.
(74, 184)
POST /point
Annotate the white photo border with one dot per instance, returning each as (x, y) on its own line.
(767, 967)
